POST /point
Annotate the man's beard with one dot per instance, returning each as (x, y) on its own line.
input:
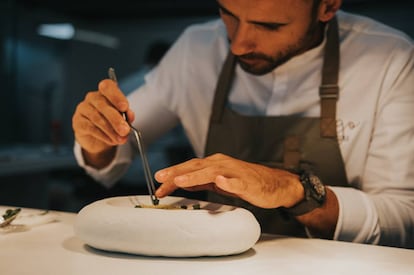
(269, 63)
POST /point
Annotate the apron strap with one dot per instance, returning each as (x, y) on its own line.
(329, 90)
(223, 88)
(291, 153)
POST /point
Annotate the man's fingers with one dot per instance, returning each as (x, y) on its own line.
(89, 130)
(88, 120)
(199, 177)
(111, 118)
(113, 94)
(97, 109)
(94, 132)
(165, 189)
(197, 171)
(168, 174)
(190, 166)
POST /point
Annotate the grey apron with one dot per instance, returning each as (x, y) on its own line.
(287, 142)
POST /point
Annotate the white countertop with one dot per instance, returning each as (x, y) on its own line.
(53, 249)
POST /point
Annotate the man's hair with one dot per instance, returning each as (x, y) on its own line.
(315, 5)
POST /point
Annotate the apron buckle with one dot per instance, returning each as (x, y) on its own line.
(329, 91)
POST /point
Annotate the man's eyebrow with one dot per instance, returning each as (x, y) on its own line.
(225, 10)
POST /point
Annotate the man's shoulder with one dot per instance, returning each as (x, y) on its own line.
(362, 27)
(212, 26)
(205, 39)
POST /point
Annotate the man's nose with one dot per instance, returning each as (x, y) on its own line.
(242, 41)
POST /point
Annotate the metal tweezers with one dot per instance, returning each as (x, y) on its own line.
(138, 138)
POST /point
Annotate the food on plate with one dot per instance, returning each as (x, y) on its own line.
(169, 206)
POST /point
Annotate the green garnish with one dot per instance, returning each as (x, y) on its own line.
(11, 212)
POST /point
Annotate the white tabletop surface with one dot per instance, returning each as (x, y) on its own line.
(52, 248)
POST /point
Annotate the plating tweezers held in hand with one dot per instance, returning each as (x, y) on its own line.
(139, 140)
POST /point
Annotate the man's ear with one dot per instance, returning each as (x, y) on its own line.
(327, 9)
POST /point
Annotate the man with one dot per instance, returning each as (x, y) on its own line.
(276, 135)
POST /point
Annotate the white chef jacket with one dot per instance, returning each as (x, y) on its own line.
(375, 115)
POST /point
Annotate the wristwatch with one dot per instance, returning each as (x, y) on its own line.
(315, 194)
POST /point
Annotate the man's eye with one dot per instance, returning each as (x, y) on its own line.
(270, 27)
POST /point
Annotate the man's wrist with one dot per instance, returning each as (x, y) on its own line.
(314, 194)
(99, 160)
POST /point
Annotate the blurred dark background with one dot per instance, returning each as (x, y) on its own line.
(43, 78)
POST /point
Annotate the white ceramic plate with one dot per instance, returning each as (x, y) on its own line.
(114, 224)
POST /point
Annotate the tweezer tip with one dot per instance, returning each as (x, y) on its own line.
(111, 74)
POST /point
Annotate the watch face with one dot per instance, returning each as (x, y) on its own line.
(318, 187)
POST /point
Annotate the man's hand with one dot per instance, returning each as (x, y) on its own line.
(98, 124)
(259, 185)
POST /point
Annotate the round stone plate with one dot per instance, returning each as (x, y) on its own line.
(116, 224)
